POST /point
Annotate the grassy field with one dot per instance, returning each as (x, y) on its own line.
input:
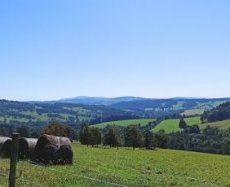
(172, 125)
(168, 126)
(193, 120)
(123, 166)
(125, 123)
(219, 124)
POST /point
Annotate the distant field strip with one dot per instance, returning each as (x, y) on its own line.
(125, 123)
(193, 112)
(124, 167)
(172, 125)
(192, 121)
(219, 124)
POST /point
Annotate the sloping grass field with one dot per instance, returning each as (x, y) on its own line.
(219, 124)
(168, 125)
(125, 167)
(172, 125)
(193, 121)
(125, 123)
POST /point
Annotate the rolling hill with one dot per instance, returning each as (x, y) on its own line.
(168, 106)
(39, 114)
(221, 112)
(152, 108)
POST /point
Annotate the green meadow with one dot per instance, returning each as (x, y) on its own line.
(172, 125)
(125, 123)
(219, 124)
(193, 120)
(103, 166)
(169, 125)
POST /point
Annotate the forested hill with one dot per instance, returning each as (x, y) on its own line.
(39, 114)
(163, 107)
(152, 108)
(219, 113)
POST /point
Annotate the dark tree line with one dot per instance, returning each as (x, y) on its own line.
(210, 140)
(53, 128)
(25, 131)
(114, 136)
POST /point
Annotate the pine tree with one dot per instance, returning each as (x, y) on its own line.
(182, 124)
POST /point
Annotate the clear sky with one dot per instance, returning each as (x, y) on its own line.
(51, 49)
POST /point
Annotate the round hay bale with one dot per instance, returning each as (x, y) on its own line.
(2, 141)
(6, 149)
(53, 150)
(26, 147)
(65, 155)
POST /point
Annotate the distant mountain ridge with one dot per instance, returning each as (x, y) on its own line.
(99, 100)
(87, 100)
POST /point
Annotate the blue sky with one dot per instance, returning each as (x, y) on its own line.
(148, 48)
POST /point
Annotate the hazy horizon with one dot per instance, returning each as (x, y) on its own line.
(155, 49)
(106, 97)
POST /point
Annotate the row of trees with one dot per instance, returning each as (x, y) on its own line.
(131, 136)
(211, 140)
(25, 131)
(53, 128)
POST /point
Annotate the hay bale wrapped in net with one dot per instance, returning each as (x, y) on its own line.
(26, 147)
(2, 141)
(5, 150)
(53, 150)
